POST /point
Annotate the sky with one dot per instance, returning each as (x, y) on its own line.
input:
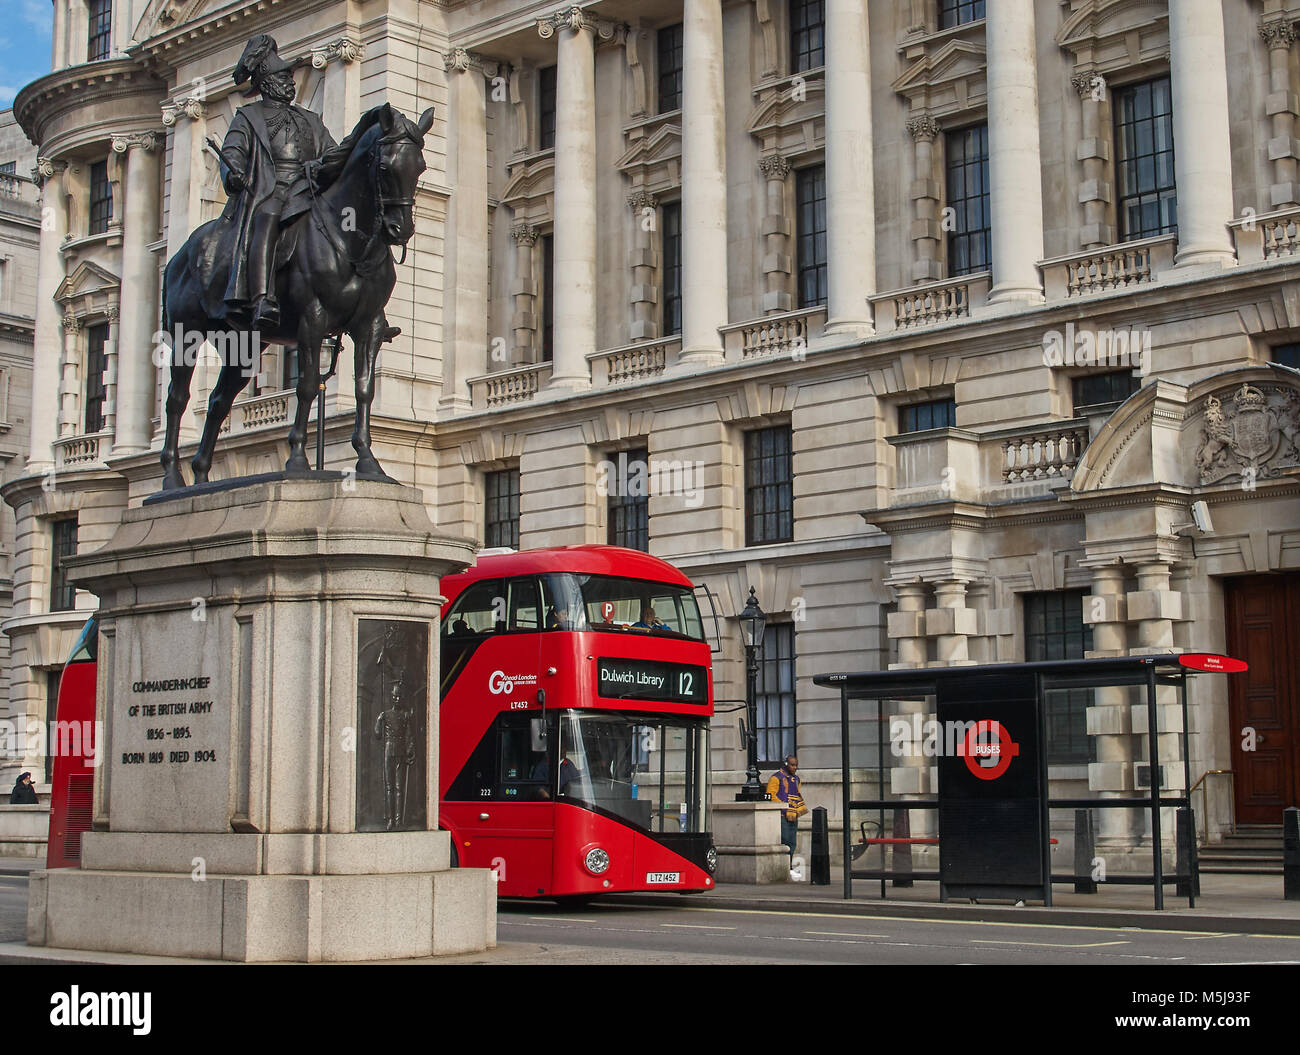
(24, 45)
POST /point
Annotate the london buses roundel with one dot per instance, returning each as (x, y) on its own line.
(1002, 748)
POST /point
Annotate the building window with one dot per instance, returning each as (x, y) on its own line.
(99, 30)
(670, 68)
(1144, 160)
(670, 220)
(63, 537)
(8, 168)
(959, 12)
(501, 520)
(1110, 389)
(546, 108)
(774, 712)
(810, 198)
(936, 414)
(101, 198)
(629, 500)
(769, 486)
(1287, 355)
(807, 43)
(966, 157)
(1054, 629)
(289, 368)
(96, 365)
(548, 298)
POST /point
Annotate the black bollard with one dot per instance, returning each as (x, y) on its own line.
(821, 848)
(902, 851)
(1188, 868)
(1291, 854)
(1084, 852)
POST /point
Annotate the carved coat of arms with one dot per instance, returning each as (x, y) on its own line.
(1250, 437)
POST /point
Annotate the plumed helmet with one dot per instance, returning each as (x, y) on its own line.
(260, 59)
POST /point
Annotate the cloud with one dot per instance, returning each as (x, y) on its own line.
(37, 14)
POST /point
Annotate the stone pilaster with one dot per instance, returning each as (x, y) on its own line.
(850, 183)
(48, 350)
(112, 364)
(340, 59)
(912, 774)
(951, 622)
(524, 291)
(70, 377)
(1202, 147)
(1108, 718)
(924, 193)
(1093, 154)
(1282, 108)
(1015, 164)
(131, 407)
(776, 236)
(644, 263)
(704, 184)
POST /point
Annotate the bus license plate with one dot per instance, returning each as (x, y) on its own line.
(662, 877)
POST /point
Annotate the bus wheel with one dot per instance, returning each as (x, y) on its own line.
(575, 900)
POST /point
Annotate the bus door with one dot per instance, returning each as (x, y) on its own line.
(513, 823)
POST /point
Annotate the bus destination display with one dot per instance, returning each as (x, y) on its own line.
(640, 679)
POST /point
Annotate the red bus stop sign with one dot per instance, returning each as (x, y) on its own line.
(1209, 662)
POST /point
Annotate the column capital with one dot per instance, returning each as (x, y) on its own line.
(922, 126)
(576, 19)
(459, 60)
(774, 166)
(191, 106)
(146, 141)
(642, 199)
(524, 234)
(344, 50)
(112, 313)
(46, 169)
(71, 324)
(1278, 32)
(1084, 82)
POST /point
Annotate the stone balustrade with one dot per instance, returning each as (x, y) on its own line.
(633, 362)
(932, 303)
(1112, 267)
(1266, 237)
(80, 452)
(787, 334)
(1047, 453)
(260, 411)
(506, 387)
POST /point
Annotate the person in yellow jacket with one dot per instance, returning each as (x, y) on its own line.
(784, 787)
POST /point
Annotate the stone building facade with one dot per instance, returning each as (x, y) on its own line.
(932, 324)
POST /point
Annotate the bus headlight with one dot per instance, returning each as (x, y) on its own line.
(711, 859)
(597, 861)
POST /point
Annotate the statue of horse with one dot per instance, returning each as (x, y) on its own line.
(334, 274)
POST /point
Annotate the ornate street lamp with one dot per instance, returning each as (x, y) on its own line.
(752, 623)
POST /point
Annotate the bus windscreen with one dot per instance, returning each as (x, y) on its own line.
(603, 602)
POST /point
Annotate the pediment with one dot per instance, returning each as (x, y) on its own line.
(529, 185)
(957, 60)
(1241, 426)
(86, 280)
(1107, 32)
(780, 110)
(664, 144)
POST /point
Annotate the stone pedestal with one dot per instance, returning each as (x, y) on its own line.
(268, 700)
(748, 838)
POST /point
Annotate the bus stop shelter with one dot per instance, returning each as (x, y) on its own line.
(985, 728)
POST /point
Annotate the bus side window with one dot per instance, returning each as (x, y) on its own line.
(525, 607)
(524, 773)
(477, 611)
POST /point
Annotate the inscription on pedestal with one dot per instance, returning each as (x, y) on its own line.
(393, 725)
(170, 718)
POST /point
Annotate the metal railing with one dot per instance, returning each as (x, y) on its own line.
(1205, 801)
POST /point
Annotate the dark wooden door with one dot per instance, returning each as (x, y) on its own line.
(1263, 623)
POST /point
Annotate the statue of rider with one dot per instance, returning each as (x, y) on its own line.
(271, 151)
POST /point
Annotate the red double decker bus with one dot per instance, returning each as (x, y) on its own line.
(576, 693)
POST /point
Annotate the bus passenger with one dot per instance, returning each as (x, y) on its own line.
(648, 620)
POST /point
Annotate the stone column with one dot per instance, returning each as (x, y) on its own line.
(951, 623)
(1108, 718)
(925, 200)
(776, 236)
(1094, 158)
(70, 377)
(644, 261)
(465, 336)
(1015, 169)
(186, 118)
(1282, 108)
(704, 184)
(850, 183)
(48, 350)
(909, 777)
(1202, 147)
(574, 310)
(112, 363)
(342, 94)
(524, 291)
(132, 407)
(60, 35)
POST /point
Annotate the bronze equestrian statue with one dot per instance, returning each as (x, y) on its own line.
(300, 253)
